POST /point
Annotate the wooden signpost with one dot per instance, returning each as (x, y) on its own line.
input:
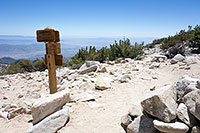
(52, 57)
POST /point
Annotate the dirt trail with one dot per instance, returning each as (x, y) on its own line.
(112, 103)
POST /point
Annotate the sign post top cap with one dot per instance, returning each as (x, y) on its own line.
(48, 28)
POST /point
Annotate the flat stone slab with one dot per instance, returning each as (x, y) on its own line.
(52, 123)
(48, 105)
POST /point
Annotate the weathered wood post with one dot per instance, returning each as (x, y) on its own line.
(52, 57)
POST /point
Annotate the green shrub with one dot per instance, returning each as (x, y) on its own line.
(122, 48)
(191, 37)
(26, 66)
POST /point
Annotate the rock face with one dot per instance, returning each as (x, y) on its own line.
(176, 127)
(52, 123)
(192, 102)
(141, 124)
(48, 105)
(185, 86)
(162, 104)
(185, 116)
(102, 83)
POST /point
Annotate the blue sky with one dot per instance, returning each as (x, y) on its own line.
(99, 18)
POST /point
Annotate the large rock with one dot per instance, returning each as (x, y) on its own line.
(52, 123)
(184, 115)
(176, 127)
(162, 104)
(141, 124)
(177, 58)
(48, 105)
(102, 83)
(89, 66)
(88, 69)
(192, 101)
(195, 129)
(186, 85)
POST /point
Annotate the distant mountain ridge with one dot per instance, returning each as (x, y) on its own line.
(7, 60)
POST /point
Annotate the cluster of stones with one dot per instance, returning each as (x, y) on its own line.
(170, 109)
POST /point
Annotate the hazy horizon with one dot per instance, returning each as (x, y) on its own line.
(85, 23)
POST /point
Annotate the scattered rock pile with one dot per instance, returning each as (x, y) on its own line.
(101, 88)
(170, 109)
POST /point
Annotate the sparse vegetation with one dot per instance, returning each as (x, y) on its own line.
(123, 49)
(191, 38)
(26, 66)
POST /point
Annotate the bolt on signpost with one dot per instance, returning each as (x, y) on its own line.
(52, 57)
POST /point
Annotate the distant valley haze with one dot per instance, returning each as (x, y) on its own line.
(26, 47)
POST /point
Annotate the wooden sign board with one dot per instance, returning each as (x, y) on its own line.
(58, 60)
(53, 48)
(47, 36)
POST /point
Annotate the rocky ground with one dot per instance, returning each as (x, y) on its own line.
(100, 94)
(3, 67)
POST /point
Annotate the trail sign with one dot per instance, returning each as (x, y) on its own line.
(58, 59)
(48, 35)
(53, 48)
(52, 56)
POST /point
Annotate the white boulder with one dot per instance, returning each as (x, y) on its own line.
(52, 123)
(176, 127)
(162, 104)
(48, 105)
